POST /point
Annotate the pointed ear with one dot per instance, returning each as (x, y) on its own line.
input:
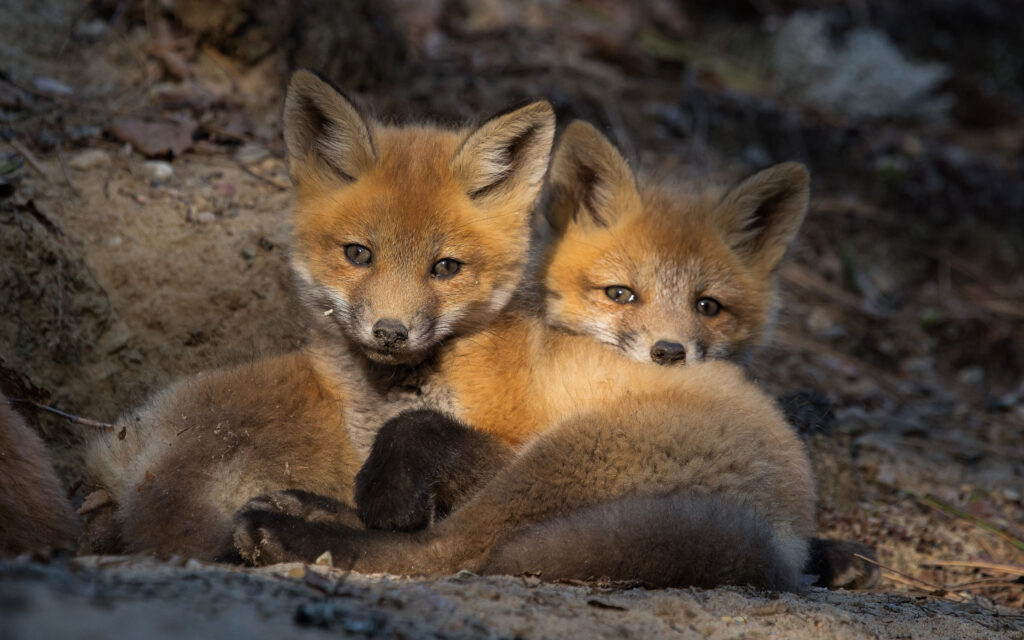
(761, 215)
(324, 133)
(505, 158)
(592, 184)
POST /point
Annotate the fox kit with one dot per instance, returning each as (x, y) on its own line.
(404, 238)
(691, 469)
(678, 477)
(34, 515)
(662, 274)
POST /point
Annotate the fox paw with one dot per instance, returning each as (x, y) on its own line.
(304, 505)
(263, 537)
(842, 564)
(394, 489)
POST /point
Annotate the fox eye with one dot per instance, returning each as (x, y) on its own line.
(445, 268)
(622, 295)
(708, 306)
(358, 255)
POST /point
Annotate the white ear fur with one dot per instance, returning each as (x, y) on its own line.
(507, 154)
(761, 216)
(323, 131)
(592, 184)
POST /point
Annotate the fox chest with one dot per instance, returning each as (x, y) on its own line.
(366, 412)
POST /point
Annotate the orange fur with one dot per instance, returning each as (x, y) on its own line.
(669, 248)
(409, 197)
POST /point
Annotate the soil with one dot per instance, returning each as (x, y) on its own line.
(901, 331)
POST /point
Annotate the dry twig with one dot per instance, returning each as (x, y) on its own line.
(106, 426)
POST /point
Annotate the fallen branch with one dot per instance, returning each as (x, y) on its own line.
(29, 157)
(272, 182)
(106, 426)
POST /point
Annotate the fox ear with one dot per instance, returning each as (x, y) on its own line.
(592, 184)
(505, 158)
(324, 133)
(761, 215)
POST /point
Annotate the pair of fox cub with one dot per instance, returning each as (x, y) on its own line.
(470, 431)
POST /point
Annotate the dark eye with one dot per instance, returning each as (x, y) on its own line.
(358, 255)
(445, 268)
(622, 295)
(708, 306)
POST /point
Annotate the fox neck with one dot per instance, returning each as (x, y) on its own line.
(371, 393)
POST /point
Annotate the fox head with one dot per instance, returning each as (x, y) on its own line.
(404, 236)
(658, 274)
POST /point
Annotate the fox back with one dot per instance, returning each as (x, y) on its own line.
(657, 272)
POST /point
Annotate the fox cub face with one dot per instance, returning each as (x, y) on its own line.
(658, 274)
(404, 236)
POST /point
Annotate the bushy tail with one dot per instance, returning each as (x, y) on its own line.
(35, 515)
(660, 541)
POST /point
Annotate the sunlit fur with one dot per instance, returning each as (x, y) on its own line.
(670, 246)
(34, 516)
(199, 449)
(616, 438)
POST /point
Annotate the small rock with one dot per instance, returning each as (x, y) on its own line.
(114, 242)
(159, 171)
(205, 217)
(251, 154)
(248, 253)
(52, 86)
(971, 376)
(325, 559)
(90, 159)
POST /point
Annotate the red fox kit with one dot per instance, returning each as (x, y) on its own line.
(404, 238)
(691, 469)
(34, 515)
(660, 273)
(681, 477)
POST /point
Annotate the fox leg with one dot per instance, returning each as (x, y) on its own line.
(423, 465)
(842, 564)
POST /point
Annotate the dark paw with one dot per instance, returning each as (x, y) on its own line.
(263, 538)
(394, 489)
(841, 564)
(302, 504)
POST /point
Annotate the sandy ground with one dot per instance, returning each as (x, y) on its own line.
(116, 280)
(136, 598)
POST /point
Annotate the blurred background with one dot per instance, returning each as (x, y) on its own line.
(143, 208)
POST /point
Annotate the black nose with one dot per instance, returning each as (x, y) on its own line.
(665, 352)
(390, 332)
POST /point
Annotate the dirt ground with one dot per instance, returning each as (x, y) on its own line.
(144, 235)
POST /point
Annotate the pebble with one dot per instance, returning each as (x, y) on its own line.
(159, 171)
(251, 153)
(205, 217)
(90, 159)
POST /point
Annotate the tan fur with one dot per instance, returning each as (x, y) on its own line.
(670, 247)
(412, 195)
(34, 513)
(618, 429)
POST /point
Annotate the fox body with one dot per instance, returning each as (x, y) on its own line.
(685, 475)
(34, 515)
(678, 475)
(403, 238)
